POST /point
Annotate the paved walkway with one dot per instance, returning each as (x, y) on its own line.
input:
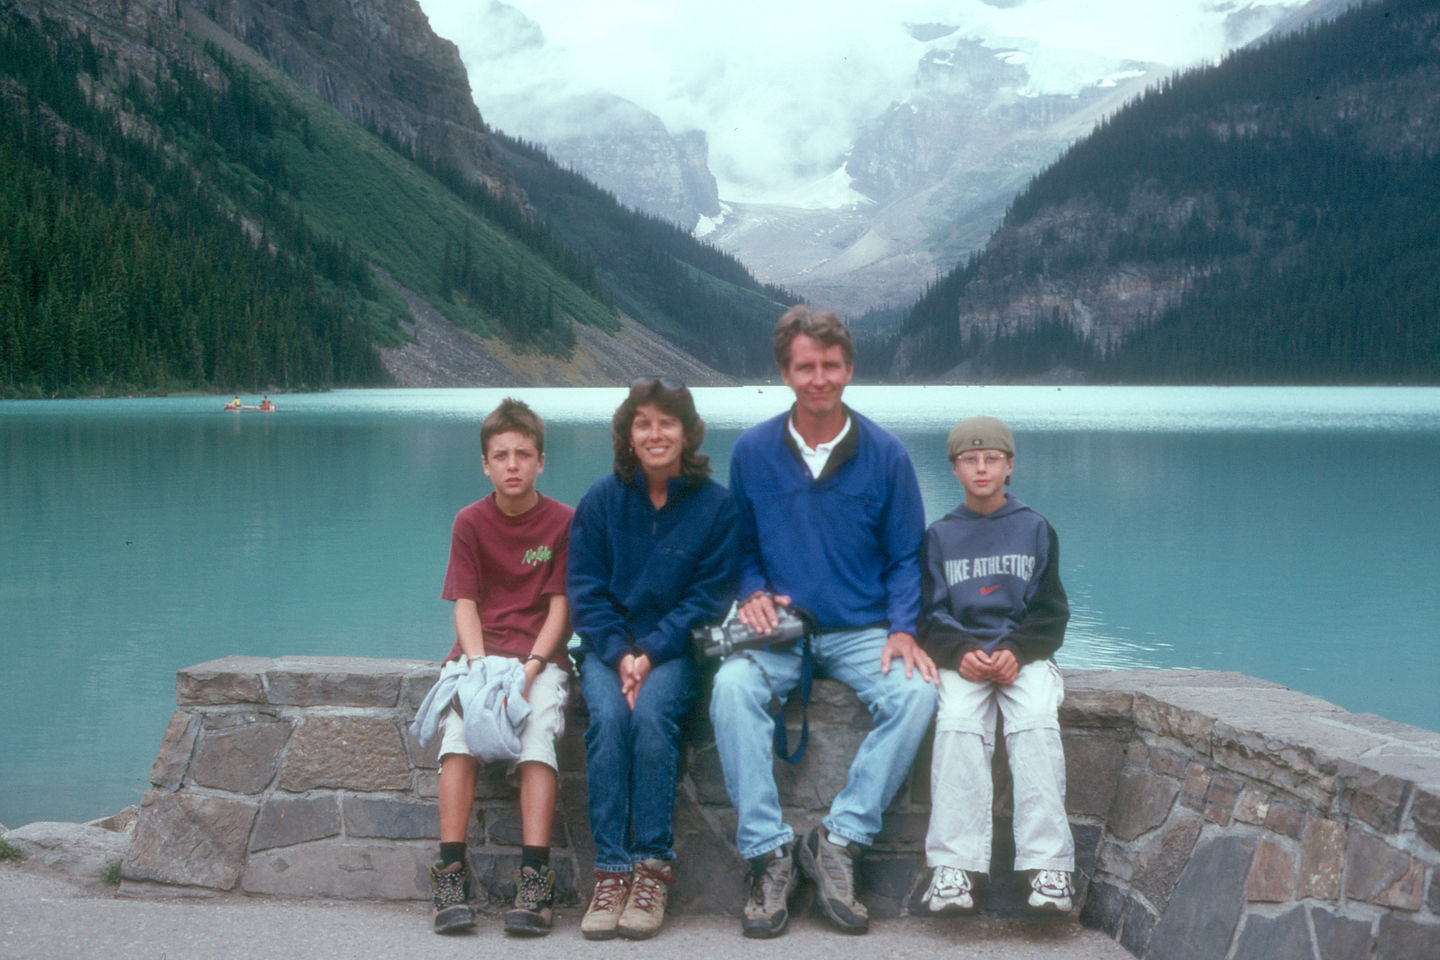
(45, 915)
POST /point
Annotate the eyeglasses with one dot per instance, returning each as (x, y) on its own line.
(669, 383)
(991, 460)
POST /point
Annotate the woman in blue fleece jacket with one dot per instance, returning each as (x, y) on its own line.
(652, 555)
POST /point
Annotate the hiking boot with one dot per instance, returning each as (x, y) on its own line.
(949, 891)
(832, 868)
(767, 910)
(534, 894)
(450, 893)
(645, 906)
(1050, 891)
(607, 902)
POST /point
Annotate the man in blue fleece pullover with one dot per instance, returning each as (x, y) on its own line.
(995, 613)
(831, 521)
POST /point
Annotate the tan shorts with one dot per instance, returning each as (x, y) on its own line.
(548, 695)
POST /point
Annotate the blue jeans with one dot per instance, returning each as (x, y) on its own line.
(632, 761)
(900, 710)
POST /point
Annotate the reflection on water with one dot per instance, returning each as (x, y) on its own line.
(1284, 533)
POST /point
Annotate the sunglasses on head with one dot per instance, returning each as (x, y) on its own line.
(669, 383)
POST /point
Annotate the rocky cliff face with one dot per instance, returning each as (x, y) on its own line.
(629, 152)
(376, 61)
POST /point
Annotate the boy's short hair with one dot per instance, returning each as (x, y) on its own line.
(512, 416)
(822, 326)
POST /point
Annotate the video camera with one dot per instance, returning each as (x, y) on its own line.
(794, 623)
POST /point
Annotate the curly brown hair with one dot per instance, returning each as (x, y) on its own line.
(674, 398)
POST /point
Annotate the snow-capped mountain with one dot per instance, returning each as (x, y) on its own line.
(873, 164)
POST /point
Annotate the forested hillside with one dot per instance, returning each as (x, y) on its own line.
(1275, 218)
(178, 215)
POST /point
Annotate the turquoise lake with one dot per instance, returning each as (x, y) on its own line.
(1288, 533)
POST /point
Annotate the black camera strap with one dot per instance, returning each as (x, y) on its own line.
(780, 742)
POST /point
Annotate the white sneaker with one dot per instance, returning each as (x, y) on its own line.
(1051, 890)
(949, 891)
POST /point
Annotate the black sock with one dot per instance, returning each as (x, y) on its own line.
(452, 853)
(534, 857)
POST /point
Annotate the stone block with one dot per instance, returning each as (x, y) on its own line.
(1272, 874)
(1425, 815)
(343, 871)
(1084, 707)
(426, 783)
(336, 681)
(570, 748)
(1340, 938)
(173, 758)
(75, 849)
(1172, 763)
(903, 828)
(1087, 848)
(241, 758)
(1199, 921)
(494, 876)
(1092, 773)
(1402, 938)
(1432, 899)
(1286, 937)
(1220, 799)
(120, 822)
(1103, 908)
(1285, 818)
(1373, 797)
(423, 758)
(710, 877)
(190, 840)
(1190, 727)
(497, 781)
(1119, 860)
(813, 782)
(284, 821)
(1160, 865)
(227, 680)
(1194, 787)
(1297, 769)
(885, 881)
(1142, 802)
(1253, 806)
(503, 827)
(345, 753)
(1376, 872)
(1137, 927)
(390, 819)
(1322, 860)
(707, 775)
(415, 685)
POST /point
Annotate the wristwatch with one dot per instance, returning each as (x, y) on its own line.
(535, 656)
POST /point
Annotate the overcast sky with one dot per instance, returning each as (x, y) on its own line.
(781, 86)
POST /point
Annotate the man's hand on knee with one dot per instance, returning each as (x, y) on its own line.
(903, 645)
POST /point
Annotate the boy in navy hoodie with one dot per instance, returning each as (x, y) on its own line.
(994, 614)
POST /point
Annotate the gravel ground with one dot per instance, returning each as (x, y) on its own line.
(45, 915)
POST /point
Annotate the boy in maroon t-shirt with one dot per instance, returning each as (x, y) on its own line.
(507, 578)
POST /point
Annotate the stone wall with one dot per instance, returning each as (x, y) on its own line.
(1215, 815)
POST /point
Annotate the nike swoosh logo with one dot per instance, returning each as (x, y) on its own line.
(986, 591)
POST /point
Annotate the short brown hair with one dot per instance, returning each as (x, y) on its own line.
(822, 326)
(674, 398)
(512, 416)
